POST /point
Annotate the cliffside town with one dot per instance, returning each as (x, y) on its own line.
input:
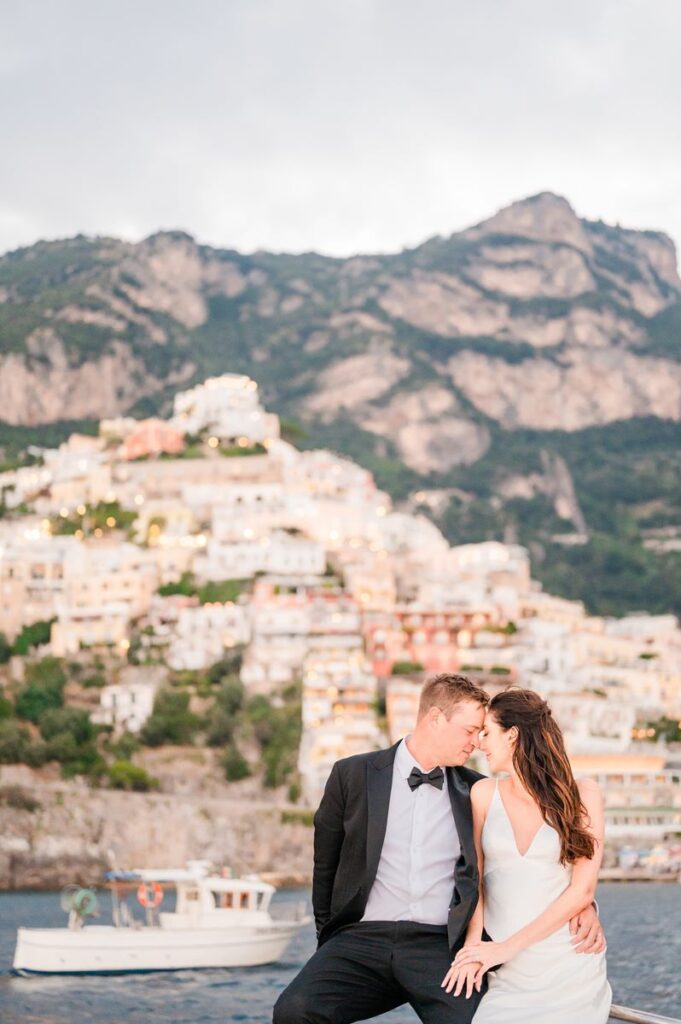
(518, 381)
(194, 607)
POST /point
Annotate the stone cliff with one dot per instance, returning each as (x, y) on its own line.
(534, 318)
(66, 832)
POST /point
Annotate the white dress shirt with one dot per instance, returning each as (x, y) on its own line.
(415, 876)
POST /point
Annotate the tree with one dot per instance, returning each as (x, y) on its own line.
(220, 729)
(14, 742)
(230, 696)
(34, 701)
(184, 586)
(171, 720)
(5, 649)
(228, 665)
(73, 721)
(235, 764)
(277, 730)
(33, 636)
(43, 690)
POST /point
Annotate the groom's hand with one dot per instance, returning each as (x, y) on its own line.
(587, 932)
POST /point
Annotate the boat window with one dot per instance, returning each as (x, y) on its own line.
(243, 902)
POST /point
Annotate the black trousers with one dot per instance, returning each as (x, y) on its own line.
(370, 968)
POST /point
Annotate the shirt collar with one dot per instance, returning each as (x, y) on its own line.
(405, 760)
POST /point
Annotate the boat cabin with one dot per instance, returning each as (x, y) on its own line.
(203, 900)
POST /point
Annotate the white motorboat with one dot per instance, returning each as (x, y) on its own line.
(217, 922)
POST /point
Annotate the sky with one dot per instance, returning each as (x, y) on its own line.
(340, 126)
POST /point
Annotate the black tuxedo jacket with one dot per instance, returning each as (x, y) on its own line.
(349, 829)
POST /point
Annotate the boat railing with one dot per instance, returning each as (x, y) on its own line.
(623, 1013)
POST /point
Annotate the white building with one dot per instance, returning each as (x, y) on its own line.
(125, 706)
(339, 716)
(32, 574)
(106, 585)
(201, 634)
(228, 406)
(278, 553)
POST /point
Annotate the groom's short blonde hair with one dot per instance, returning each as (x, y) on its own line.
(446, 690)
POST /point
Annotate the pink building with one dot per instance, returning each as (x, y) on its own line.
(438, 640)
(151, 437)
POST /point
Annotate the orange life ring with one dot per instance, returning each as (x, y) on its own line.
(150, 895)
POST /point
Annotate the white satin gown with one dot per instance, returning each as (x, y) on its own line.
(549, 982)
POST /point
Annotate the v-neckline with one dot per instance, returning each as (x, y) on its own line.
(510, 825)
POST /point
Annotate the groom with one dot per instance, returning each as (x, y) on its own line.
(395, 873)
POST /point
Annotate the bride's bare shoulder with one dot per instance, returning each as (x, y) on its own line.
(482, 792)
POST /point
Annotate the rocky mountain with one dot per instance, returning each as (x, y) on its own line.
(520, 379)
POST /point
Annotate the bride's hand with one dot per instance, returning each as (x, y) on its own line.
(457, 976)
(485, 954)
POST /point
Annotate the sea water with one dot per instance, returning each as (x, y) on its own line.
(642, 921)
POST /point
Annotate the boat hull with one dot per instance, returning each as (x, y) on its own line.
(106, 950)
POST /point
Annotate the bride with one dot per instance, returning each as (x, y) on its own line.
(539, 839)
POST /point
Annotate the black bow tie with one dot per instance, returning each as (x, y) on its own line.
(435, 778)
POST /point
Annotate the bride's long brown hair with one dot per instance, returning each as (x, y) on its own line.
(541, 762)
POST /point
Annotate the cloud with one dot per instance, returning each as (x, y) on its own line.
(308, 124)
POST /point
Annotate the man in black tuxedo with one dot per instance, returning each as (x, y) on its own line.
(395, 873)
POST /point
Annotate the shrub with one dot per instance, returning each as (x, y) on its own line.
(124, 774)
(33, 701)
(220, 729)
(43, 690)
(36, 753)
(405, 668)
(14, 742)
(32, 636)
(222, 718)
(6, 707)
(124, 747)
(171, 720)
(228, 665)
(48, 672)
(95, 681)
(298, 818)
(5, 649)
(72, 721)
(230, 696)
(221, 590)
(19, 799)
(85, 761)
(185, 586)
(277, 730)
(294, 792)
(235, 764)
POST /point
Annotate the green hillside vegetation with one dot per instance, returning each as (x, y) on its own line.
(252, 735)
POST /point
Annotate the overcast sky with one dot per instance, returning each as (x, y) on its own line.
(335, 125)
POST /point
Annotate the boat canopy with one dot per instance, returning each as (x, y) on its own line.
(178, 876)
(216, 884)
(154, 875)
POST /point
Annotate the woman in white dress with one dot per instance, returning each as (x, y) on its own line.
(539, 837)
